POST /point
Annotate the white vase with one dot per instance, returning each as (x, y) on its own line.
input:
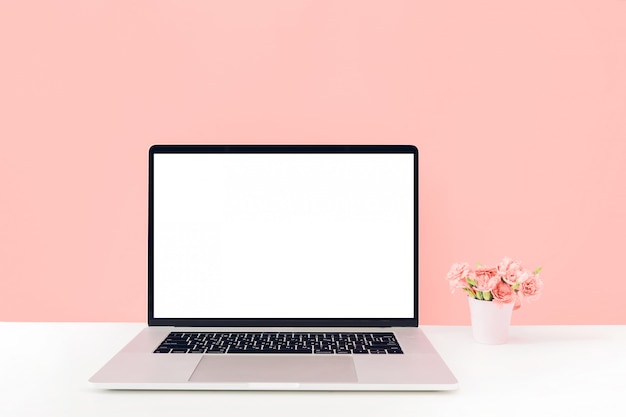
(490, 321)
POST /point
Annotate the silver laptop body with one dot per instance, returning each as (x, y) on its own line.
(281, 267)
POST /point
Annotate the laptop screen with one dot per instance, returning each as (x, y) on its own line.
(283, 235)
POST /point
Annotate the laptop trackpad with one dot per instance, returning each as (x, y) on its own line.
(272, 368)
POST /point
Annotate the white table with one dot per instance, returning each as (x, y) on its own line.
(543, 370)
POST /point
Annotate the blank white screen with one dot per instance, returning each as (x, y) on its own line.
(283, 235)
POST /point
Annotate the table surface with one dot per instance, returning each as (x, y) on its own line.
(543, 370)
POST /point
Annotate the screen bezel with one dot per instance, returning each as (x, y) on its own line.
(278, 322)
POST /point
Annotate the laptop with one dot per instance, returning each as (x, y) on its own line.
(281, 267)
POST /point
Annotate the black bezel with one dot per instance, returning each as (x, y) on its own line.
(273, 322)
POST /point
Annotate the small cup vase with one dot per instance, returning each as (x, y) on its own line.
(490, 321)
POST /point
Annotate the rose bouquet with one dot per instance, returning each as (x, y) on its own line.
(508, 282)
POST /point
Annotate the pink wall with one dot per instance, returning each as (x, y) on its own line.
(518, 108)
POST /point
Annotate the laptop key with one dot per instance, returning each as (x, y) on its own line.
(280, 342)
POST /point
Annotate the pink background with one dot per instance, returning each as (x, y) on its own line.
(518, 108)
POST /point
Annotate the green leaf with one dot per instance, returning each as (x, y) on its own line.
(538, 270)
(479, 295)
(470, 292)
(487, 296)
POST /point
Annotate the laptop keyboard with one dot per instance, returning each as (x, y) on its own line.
(280, 342)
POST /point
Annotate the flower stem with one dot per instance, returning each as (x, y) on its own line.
(470, 292)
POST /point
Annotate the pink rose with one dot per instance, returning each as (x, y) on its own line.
(486, 278)
(523, 275)
(509, 270)
(530, 289)
(457, 274)
(502, 293)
